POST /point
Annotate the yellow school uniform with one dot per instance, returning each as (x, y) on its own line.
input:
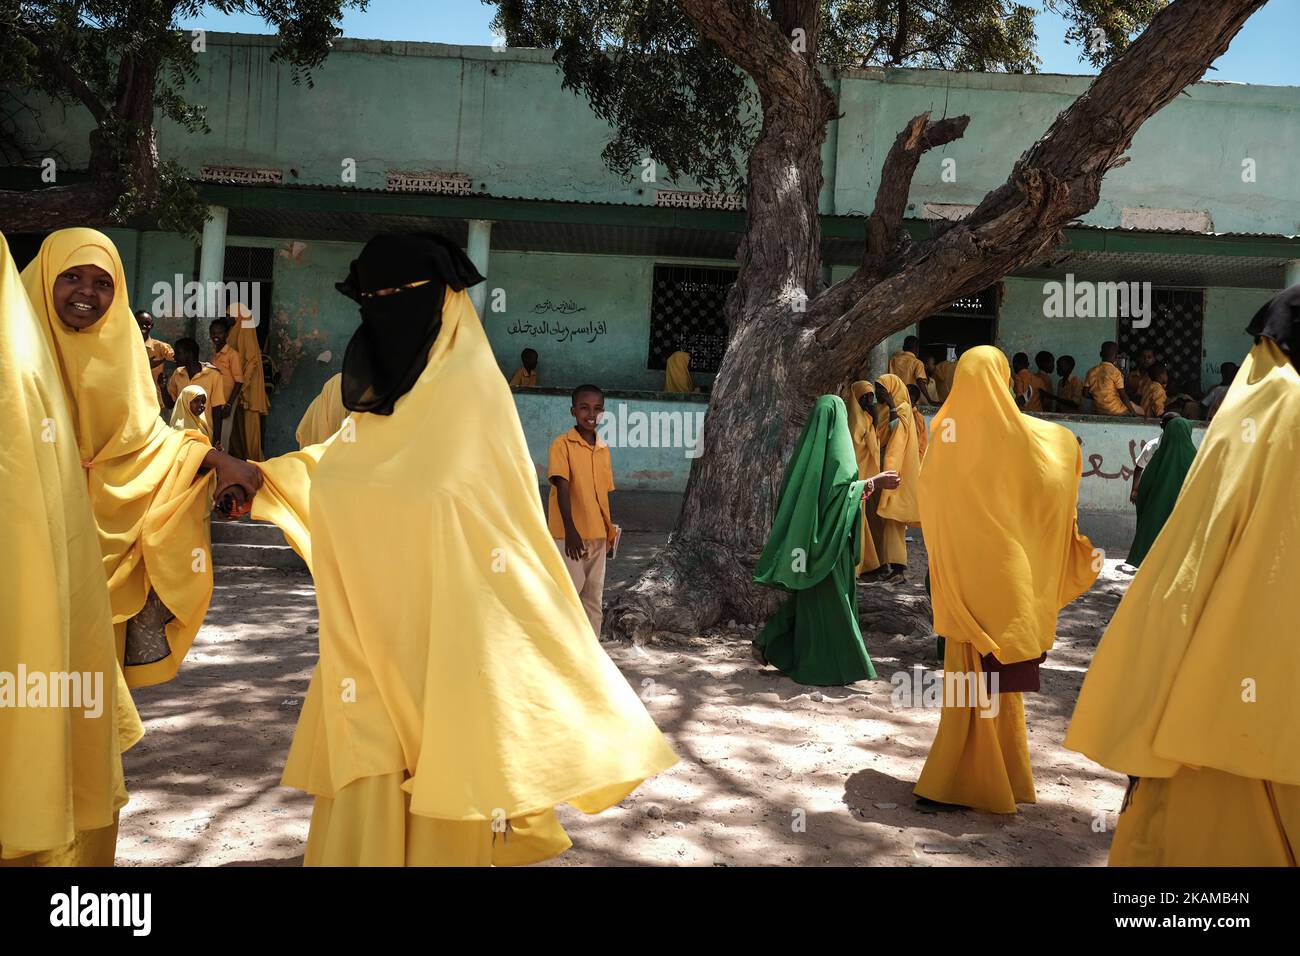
(523, 378)
(590, 475)
(1192, 688)
(151, 505)
(943, 373)
(61, 781)
(1153, 400)
(902, 454)
(254, 403)
(158, 352)
(677, 373)
(1135, 383)
(1071, 389)
(1104, 382)
(325, 414)
(484, 700)
(1031, 562)
(866, 447)
(1025, 384)
(183, 417)
(208, 379)
(907, 367)
(231, 366)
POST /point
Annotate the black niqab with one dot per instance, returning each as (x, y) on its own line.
(1279, 320)
(391, 348)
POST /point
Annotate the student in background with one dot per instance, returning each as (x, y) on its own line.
(1135, 383)
(942, 375)
(188, 412)
(1043, 381)
(1153, 399)
(226, 361)
(677, 373)
(897, 507)
(158, 352)
(861, 404)
(1214, 397)
(190, 370)
(526, 375)
(1024, 384)
(922, 433)
(1069, 391)
(581, 477)
(1104, 384)
(907, 364)
(1157, 479)
(254, 404)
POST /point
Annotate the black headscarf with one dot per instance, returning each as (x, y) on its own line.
(1279, 320)
(389, 351)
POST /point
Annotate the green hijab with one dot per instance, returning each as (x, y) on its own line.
(1159, 486)
(817, 513)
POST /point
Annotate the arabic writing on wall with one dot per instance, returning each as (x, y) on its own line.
(562, 331)
(1096, 461)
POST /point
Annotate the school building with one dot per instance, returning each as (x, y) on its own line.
(606, 275)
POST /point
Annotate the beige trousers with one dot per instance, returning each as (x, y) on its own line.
(589, 578)
(227, 426)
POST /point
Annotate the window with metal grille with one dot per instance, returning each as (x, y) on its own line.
(971, 320)
(254, 267)
(686, 314)
(1174, 334)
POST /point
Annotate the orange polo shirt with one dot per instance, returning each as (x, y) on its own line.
(1105, 381)
(227, 362)
(591, 478)
(1042, 381)
(1153, 400)
(1071, 389)
(523, 378)
(209, 379)
(1027, 381)
(158, 352)
(907, 367)
(943, 373)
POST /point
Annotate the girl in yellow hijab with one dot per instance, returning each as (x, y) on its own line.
(866, 446)
(188, 413)
(150, 487)
(246, 437)
(897, 508)
(677, 373)
(60, 764)
(460, 694)
(1194, 690)
(1002, 565)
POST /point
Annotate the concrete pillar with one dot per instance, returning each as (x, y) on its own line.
(1292, 273)
(212, 263)
(479, 247)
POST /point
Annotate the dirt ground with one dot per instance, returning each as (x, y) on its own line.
(771, 772)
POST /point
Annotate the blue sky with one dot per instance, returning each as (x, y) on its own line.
(1262, 53)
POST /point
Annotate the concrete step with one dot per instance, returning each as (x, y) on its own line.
(227, 554)
(244, 531)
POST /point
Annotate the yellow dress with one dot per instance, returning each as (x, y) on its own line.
(444, 726)
(897, 508)
(150, 503)
(677, 373)
(325, 414)
(866, 446)
(1193, 686)
(1003, 562)
(60, 766)
(253, 401)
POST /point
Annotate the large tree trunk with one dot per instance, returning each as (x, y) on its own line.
(780, 359)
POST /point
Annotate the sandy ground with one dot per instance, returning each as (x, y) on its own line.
(772, 772)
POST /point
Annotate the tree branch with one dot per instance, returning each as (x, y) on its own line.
(762, 47)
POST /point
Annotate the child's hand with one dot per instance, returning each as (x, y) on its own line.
(573, 546)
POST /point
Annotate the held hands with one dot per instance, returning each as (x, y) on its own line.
(886, 479)
(237, 477)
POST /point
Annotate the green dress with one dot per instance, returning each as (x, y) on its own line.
(1159, 486)
(812, 551)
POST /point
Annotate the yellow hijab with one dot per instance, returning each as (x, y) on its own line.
(902, 454)
(866, 447)
(150, 505)
(677, 373)
(60, 770)
(252, 398)
(183, 417)
(484, 682)
(1200, 663)
(325, 414)
(1004, 559)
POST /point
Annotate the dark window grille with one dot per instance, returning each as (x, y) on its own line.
(687, 313)
(1175, 335)
(965, 323)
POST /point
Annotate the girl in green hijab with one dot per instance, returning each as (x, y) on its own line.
(1159, 486)
(813, 638)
